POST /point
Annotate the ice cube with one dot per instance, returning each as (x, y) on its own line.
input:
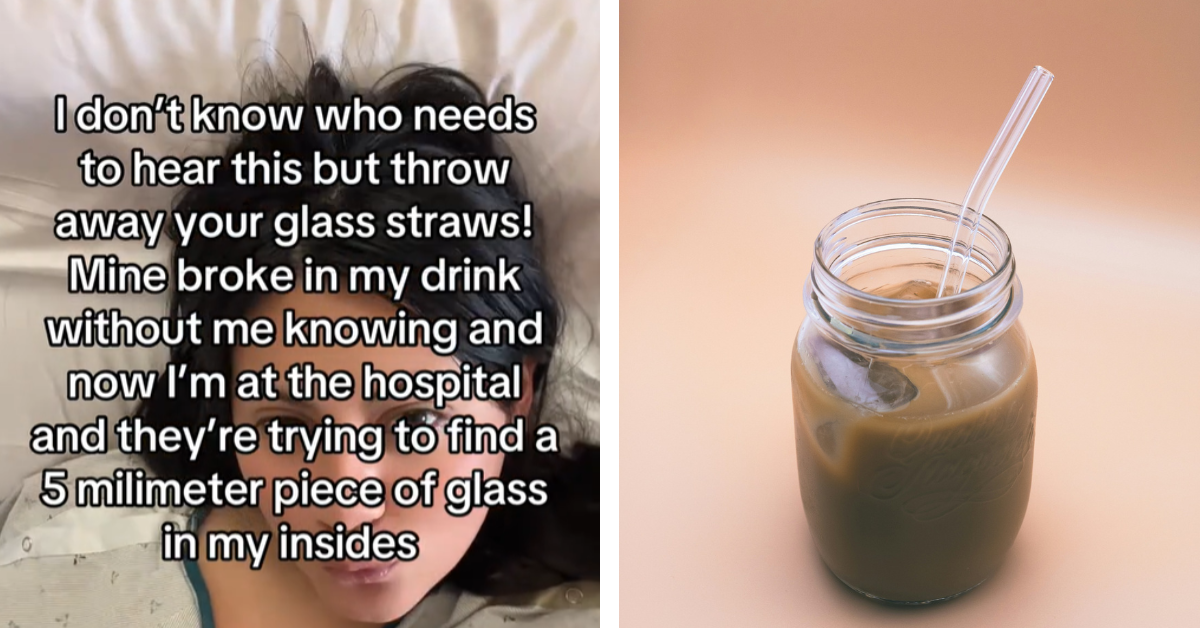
(826, 437)
(861, 380)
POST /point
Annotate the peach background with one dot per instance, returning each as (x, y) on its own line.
(749, 125)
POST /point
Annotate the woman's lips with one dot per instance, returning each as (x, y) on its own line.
(358, 574)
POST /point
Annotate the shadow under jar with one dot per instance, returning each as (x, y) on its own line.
(914, 415)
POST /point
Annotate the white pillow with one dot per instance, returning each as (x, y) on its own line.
(544, 52)
(33, 377)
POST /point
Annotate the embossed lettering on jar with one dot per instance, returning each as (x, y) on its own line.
(914, 415)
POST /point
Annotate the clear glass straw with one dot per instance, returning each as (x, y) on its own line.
(959, 253)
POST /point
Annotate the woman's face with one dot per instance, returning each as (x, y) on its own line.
(364, 591)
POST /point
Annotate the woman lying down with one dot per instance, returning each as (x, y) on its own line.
(508, 565)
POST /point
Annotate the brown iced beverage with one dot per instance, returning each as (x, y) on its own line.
(914, 424)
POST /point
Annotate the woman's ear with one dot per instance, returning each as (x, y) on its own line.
(525, 403)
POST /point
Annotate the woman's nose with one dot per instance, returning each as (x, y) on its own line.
(354, 513)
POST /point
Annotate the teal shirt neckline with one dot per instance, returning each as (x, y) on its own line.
(203, 601)
(196, 579)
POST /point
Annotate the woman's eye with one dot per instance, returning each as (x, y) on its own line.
(283, 421)
(421, 417)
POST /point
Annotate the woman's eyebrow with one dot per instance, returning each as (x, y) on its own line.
(399, 404)
(283, 393)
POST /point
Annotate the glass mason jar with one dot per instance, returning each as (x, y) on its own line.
(914, 416)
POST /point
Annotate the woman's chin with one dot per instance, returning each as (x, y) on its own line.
(378, 608)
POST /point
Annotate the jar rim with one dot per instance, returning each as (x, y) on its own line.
(855, 214)
(897, 326)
